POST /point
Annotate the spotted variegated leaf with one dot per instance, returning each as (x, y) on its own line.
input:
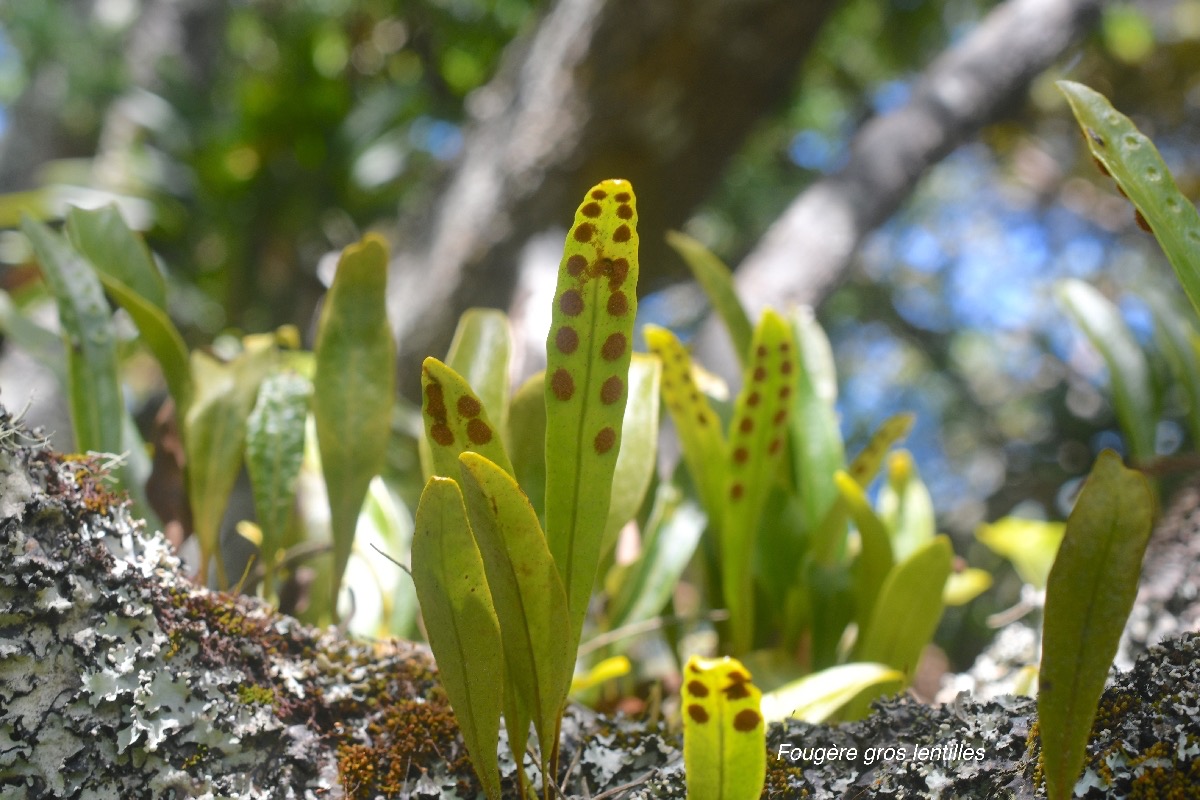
(757, 434)
(456, 421)
(587, 366)
(696, 424)
(724, 737)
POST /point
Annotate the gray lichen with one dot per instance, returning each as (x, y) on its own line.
(119, 678)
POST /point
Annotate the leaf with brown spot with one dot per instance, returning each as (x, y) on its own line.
(724, 736)
(583, 431)
(450, 431)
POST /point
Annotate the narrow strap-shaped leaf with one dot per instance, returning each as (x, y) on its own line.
(724, 736)
(672, 533)
(1128, 369)
(215, 428)
(908, 608)
(1090, 592)
(527, 592)
(757, 434)
(875, 560)
(354, 388)
(696, 424)
(817, 448)
(816, 697)
(1134, 163)
(587, 370)
(866, 464)
(456, 421)
(717, 281)
(97, 407)
(480, 352)
(161, 337)
(906, 506)
(274, 453)
(1177, 337)
(527, 440)
(464, 633)
(639, 446)
(102, 237)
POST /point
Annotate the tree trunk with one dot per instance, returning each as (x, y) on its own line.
(660, 93)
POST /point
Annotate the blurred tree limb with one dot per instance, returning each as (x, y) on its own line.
(660, 93)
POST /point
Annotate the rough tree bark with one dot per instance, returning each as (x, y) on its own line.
(660, 93)
(120, 678)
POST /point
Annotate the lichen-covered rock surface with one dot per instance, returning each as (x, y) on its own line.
(119, 678)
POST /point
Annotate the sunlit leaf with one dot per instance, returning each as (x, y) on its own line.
(456, 420)
(670, 540)
(587, 371)
(696, 424)
(875, 560)
(963, 586)
(354, 387)
(1089, 594)
(527, 440)
(816, 697)
(464, 633)
(639, 446)
(528, 595)
(724, 736)
(906, 506)
(607, 670)
(817, 449)
(1129, 372)
(480, 353)
(1030, 544)
(1134, 163)
(756, 437)
(908, 608)
(717, 281)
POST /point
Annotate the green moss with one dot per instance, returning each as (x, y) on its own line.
(253, 694)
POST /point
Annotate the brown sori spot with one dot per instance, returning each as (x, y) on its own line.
(693, 668)
(618, 304)
(697, 713)
(566, 339)
(576, 265)
(786, 368)
(784, 347)
(624, 211)
(442, 434)
(760, 374)
(479, 432)
(571, 303)
(1141, 221)
(435, 405)
(621, 234)
(775, 445)
(605, 439)
(599, 194)
(613, 347)
(746, 425)
(780, 416)
(785, 392)
(753, 399)
(562, 384)
(740, 455)
(701, 419)
(694, 396)
(697, 689)
(681, 357)
(584, 232)
(736, 491)
(746, 720)
(736, 691)
(622, 197)
(611, 391)
(468, 406)
(620, 271)
(591, 210)
(761, 350)
(737, 676)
